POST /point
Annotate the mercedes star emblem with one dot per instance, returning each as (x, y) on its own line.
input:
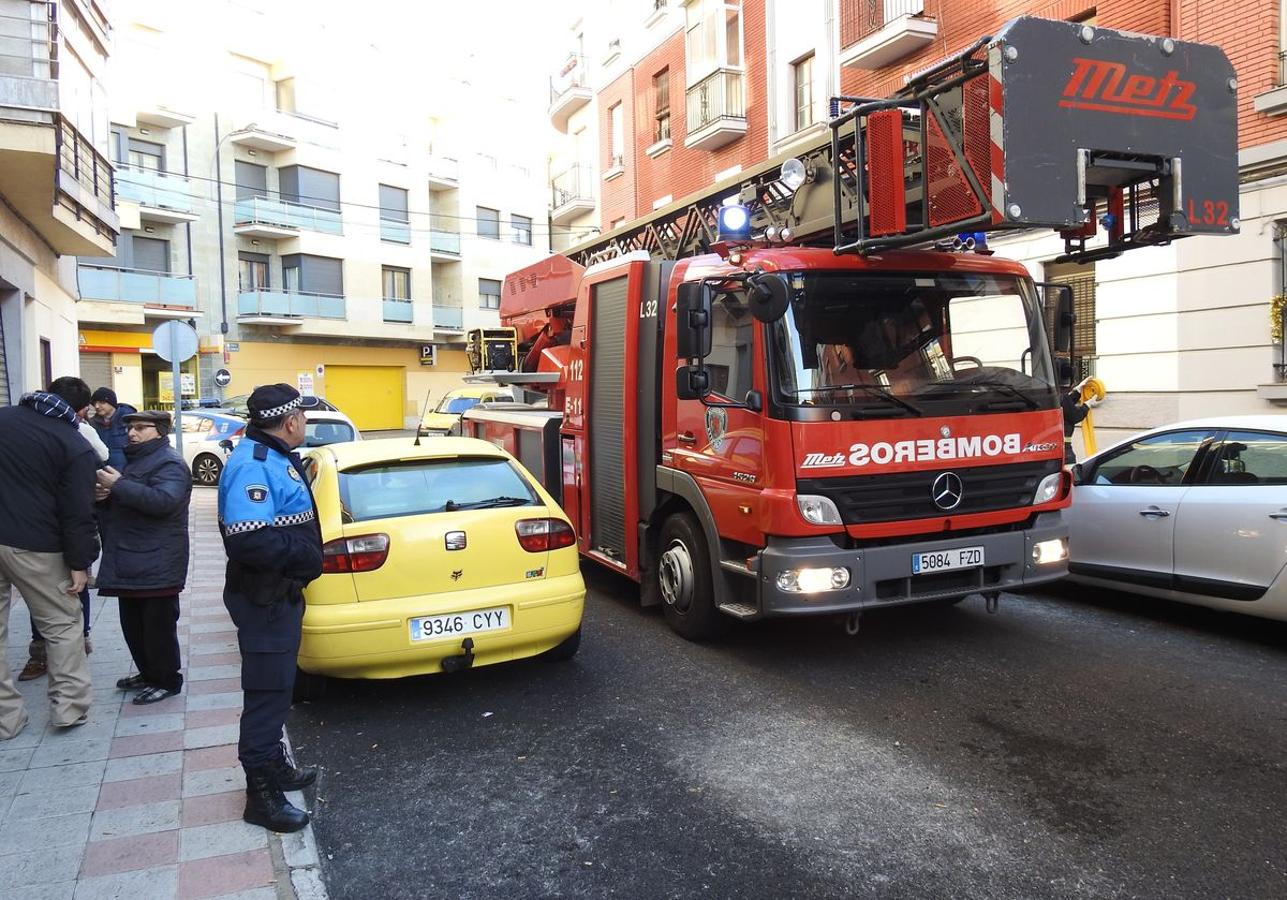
(947, 491)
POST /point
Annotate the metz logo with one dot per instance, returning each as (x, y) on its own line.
(1103, 86)
(823, 461)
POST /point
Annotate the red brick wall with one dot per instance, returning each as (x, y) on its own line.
(961, 22)
(680, 171)
(617, 197)
(1248, 32)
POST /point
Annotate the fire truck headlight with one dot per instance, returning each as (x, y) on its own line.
(734, 223)
(818, 510)
(1052, 551)
(813, 581)
(1048, 489)
(793, 174)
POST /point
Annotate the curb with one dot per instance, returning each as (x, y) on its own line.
(301, 864)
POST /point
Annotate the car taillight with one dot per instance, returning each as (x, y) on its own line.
(540, 535)
(356, 554)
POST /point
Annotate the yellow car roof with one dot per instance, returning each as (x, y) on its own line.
(478, 391)
(365, 453)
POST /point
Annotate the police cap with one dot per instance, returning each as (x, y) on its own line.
(268, 401)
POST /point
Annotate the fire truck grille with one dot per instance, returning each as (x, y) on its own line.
(890, 497)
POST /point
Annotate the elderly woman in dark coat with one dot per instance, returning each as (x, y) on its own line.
(145, 551)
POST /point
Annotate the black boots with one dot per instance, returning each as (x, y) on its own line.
(267, 806)
(292, 778)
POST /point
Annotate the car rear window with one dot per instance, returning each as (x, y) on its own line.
(425, 486)
(320, 432)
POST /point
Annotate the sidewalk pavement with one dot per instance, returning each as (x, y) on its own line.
(144, 801)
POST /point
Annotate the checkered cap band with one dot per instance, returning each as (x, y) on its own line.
(279, 410)
(242, 527)
(293, 519)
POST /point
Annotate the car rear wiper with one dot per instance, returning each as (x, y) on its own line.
(871, 390)
(489, 503)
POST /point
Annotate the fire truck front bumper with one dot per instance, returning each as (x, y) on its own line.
(811, 576)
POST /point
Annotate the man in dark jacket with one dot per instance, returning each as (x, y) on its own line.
(47, 542)
(110, 425)
(145, 551)
(274, 544)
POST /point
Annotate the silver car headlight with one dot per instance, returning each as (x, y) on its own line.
(1048, 489)
(818, 510)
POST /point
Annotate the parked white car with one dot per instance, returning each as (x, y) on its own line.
(1194, 512)
(328, 426)
(204, 432)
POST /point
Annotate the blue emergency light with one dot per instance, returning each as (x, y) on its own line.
(975, 240)
(734, 223)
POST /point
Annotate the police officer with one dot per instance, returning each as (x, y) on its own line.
(274, 544)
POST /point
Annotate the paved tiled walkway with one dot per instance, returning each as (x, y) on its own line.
(143, 802)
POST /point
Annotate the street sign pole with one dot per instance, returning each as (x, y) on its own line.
(176, 342)
(178, 406)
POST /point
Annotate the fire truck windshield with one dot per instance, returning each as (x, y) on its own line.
(879, 345)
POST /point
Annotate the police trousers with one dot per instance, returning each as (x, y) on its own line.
(269, 640)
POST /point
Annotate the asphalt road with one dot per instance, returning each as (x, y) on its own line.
(1078, 743)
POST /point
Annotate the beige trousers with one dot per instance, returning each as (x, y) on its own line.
(40, 578)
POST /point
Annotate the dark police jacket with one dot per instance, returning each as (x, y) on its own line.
(269, 523)
(115, 435)
(145, 522)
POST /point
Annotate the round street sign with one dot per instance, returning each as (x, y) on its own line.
(174, 341)
(223, 378)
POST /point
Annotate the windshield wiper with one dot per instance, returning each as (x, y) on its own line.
(489, 503)
(871, 390)
(1008, 389)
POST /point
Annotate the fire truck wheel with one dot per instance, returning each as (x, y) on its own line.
(684, 580)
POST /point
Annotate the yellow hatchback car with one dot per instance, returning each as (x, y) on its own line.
(436, 558)
(442, 418)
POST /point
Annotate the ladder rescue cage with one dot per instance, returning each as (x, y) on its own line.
(1046, 124)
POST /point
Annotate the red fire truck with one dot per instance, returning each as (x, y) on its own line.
(811, 389)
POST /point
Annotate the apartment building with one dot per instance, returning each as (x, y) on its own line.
(55, 181)
(336, 227)
(1174, 332)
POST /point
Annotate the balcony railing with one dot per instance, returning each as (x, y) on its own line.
(718, 96)
(294, 304)
(397, 310)
(284, 214)
(449, 317)
(160, 190)
(572, 186)
(859, 18)
(395, 231)
(571, 77)
(137, 286)
(444, 242)
(78, 161)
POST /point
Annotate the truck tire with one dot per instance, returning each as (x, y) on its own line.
(683, 574)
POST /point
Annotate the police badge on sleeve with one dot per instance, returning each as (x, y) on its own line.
(257, 493)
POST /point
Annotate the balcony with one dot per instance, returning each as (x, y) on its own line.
(162, 196)
(716, 110)
(159, 289)
(270, 133)
(444, 173)
(286, 307)
(451, 318)
(394, 231)
(572, 194)
(569, 91)
(396, 310)
(163, 117)
(877, 33)
(265, 217)
(444, 246)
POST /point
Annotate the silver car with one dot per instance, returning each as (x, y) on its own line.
(1194, 512)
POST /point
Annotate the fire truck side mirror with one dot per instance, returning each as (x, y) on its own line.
(767, 296)
(692, 321)
(1064, 318)
(692, 382)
